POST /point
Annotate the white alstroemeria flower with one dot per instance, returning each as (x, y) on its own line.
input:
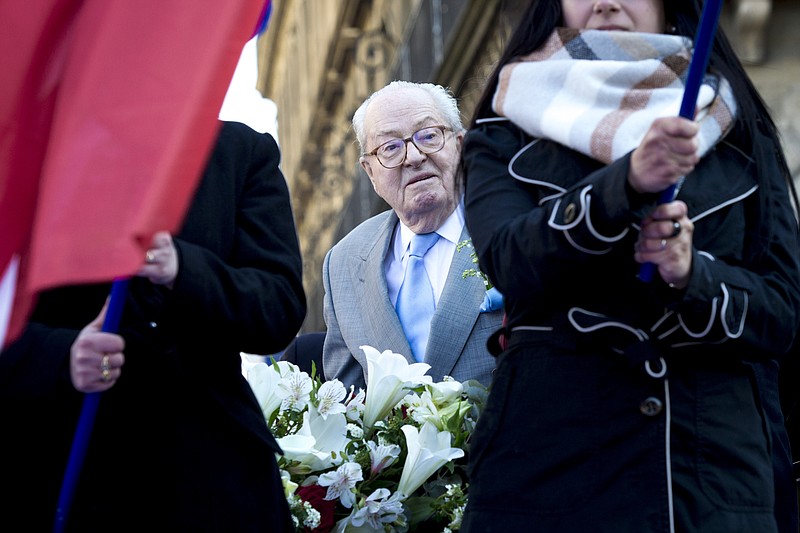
(319, 443)
(382, 456)
(295, 389)
(341, 482)
(390, 377)
(330, 396)
(264, 379)
(445, 392)
(379, 509)
(428, 451)
(355, 403)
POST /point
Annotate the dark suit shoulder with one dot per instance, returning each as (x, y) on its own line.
(304, 349)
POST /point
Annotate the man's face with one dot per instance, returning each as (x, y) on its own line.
(422, 190)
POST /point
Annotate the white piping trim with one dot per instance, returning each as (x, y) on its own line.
(491, 119)
(667, 436)
(706, 343)
(583, 215)
(589, 224)
(661, 373)
(641, 335)
(726, 300)
(714, 209)
(669, 332)
(531, 328)
(724, 204)
(581, 248)
(708, 326)
(668, 451)
(519, 177)
(662, 319)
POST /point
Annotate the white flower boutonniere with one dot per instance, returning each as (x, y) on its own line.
(493, 299)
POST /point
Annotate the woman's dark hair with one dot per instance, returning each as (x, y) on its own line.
(536, 24)
(541, 17)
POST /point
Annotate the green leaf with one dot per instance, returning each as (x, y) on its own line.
(418, 509)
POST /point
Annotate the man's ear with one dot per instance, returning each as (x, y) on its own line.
(459, 141)
(367, 166)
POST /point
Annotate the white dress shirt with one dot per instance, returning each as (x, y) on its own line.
(437, 260)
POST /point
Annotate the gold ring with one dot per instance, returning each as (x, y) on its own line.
(105, 369)
(149, 257)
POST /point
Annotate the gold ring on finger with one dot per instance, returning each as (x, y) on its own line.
(105, 369)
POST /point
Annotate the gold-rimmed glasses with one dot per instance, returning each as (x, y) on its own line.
(393, 152)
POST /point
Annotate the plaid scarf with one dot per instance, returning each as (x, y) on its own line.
(598, 92)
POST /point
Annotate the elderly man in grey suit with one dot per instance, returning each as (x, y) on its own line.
(410, 135)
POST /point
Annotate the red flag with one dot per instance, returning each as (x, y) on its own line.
(108, 110)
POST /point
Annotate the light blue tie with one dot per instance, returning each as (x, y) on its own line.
(415, 301)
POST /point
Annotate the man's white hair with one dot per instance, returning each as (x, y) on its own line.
(442, 97)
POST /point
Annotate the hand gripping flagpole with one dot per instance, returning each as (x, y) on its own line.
(91, 401)
(704, 41)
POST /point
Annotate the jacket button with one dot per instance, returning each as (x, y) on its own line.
(651, 406)
(570, 212)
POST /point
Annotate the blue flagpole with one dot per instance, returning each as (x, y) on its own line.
(91, 401)
(261, 25)
(703, 43)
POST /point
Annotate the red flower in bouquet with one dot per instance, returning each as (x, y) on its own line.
(315, 496)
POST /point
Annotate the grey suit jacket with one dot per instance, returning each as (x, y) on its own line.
(358, 311)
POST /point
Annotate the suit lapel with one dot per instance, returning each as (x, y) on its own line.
(379, 317)
(456, 313)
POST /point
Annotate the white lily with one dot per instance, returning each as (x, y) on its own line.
(289, 486)
(319, 443)
(390, 377)
(445, 392)
(264, 379)
(428, 450)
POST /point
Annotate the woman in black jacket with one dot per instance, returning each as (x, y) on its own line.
(623, 404)
(179, 442)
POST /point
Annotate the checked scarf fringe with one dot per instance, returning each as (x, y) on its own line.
(598, 92)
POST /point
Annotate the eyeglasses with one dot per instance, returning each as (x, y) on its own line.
(392, 154)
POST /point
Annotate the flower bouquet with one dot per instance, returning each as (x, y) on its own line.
(391, 458)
